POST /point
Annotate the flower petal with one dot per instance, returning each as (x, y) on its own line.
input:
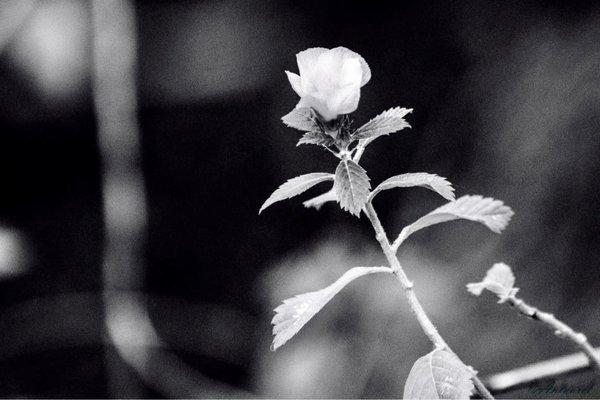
(351, 73)
(326, 82)
(347, 53)
(295, 82)
(318, 105)
(307, 60)
(345, 100)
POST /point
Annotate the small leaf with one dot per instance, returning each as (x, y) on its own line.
(351, 186)
(295, 186)
(492, 213)
(429, 181)
(499, 280)
(438, 375)
(387, 122)
(301, 118)
(316, 137)
(317, 202)
(295, 312)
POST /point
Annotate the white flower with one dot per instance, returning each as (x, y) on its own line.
(329, 80)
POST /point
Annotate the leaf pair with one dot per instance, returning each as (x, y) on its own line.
(351, 186)
(306, 120)
(430, 181)
(352, 183)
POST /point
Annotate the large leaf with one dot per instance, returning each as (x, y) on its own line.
(295, 312)
(317, 202)
(387, 122)
(302, 118)
(351, 186)
(430, 181)
(499, 280)
(439, 375)
(492, 213)
(295, 186)
(316, 137)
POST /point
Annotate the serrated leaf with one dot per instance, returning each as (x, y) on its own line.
(499, 280)
(317, 202)
(301, 118)
(295, 312)
(316, 137)
(492, 213)
(295, 186)
(430, 181)
(351, 186)
(387, 122)
(439, 375)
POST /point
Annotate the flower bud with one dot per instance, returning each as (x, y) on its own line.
(329, 80)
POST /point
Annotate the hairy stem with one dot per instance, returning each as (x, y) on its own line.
(360, 149)
(560, 329)
(415, 305)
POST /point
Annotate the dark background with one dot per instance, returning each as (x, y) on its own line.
(506, 101)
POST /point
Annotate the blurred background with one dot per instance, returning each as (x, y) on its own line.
(139, 139)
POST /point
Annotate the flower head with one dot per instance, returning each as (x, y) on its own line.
(329, 80)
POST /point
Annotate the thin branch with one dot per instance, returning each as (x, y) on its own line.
(428, 328)
(518, 377)
(560, 328)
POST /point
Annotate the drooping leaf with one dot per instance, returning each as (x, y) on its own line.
(301, 118)
(295, 312)
(351, 186)
(439, 375)
(387, 122)
(492, 213)
(499, 280)
(430, 181)
(316, 137)
(295, 186)
(317, 202)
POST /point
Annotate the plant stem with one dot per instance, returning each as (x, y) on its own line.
(560, 328)
(360, 149)
(428, 328)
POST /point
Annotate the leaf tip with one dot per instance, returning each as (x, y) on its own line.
(263, 207)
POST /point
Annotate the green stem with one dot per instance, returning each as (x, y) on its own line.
(415, 305)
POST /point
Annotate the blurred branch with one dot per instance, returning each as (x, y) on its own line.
(127, 320)
(71, 320)
(554, 367)
(13, 15)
